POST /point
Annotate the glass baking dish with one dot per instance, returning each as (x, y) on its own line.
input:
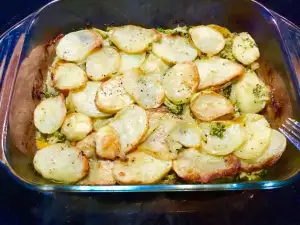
(25, 55)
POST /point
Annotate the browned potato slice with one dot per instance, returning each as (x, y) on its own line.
(87, 145)
(195, 166)
(208, 106)
(61, 163)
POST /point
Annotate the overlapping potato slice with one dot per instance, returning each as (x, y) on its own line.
(181, 82)
(223, 137)
(154, 64)
(223, 30)
(140, 168)
(49, 114)
(76, 126)
(131, 124)
(84, 100)
(111, 96)
(244, 48)
(87, 145)
(195, 166)
(174, 49)
(144, 89)
(75, 46)
(258, 137)
(208, 106)
(68, 76)
(249, 93)
(131, 61)
(107, 143)
(154, 121)
(160, 143)
(207, 39)
(61, 163)
(100, 173)
(133, 39)
(98, 123)
(103, 63)
(269, 157)
(216, 71)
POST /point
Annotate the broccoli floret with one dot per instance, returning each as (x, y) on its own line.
(170, 179)
(182, 31)
(176, 109)
(56, 137)
(243, 176)
(217, 129)
(226, 53)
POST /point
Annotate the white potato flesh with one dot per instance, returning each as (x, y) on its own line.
(154, 64)
(87, 145)
(269, 157)
(61, 163)
(98, 123)
(195, 166)
(75, 46)
(131, 124)
(111, 96)
(154, 121)
(131, 61)
(133, 39)
(49, 114)
(188, 134)
(249, 93)
(222, 142)
(103, 63)
(174, 49)
(258, 137)
(107, 143)
(160, 143)
(216, 71)
(84, 100)
(208, 105)
(145, 90)
(141, 168)
(68, 76)
(207, 39)
(181, 82)
(100, 173)
(244, 48)
(76, 126)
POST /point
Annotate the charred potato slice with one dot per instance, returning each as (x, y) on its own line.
(140, 168)
(61, 163)
(195, 166)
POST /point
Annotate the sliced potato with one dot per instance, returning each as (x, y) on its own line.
(111, 96)
(98, 123)
(107, 143)
(181, 82)
(160, 143)
(223, 30)
(269, 157)
(249, 93)
(207, 39)
(244, 48)
(100, 173)
(84, 100)
(154, 120)
(174, 49)
(131, 61)
(75, 46)
(195, 166)
(133, 39)
(103, 63)
(145, 90)
(68, 76)
(259, 133)
(188, 134)
(131, 124)
(49, 114)
(223, 137)
(208, 106)
(61, 163)
(187, 115)
(216, 71)
(154, 64)
(140, 168)
(87, 145)
(69, 104)
(76, 126)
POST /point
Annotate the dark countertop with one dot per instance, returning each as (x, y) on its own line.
(19, 205)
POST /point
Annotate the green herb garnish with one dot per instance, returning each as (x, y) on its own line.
(217, 129)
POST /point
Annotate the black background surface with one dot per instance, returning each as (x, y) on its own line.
(20, 206)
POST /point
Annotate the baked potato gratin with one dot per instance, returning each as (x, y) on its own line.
(131, 105)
